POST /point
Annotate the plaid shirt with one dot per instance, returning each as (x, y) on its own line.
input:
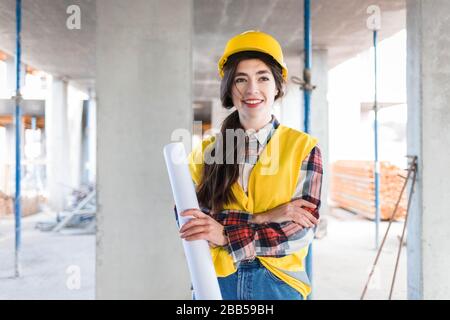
(248, 240)
(255, 143)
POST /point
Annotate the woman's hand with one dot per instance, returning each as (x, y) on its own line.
(291, 211)
(202, 227)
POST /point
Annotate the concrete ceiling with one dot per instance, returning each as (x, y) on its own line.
(338, 26)
(47, 43)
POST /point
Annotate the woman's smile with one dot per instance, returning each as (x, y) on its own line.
(252, 103)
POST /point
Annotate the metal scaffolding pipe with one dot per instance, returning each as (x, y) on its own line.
(18, 122)
(308, 59)
(307, 90)
(377, 163)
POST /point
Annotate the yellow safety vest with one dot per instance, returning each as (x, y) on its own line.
(272, 182)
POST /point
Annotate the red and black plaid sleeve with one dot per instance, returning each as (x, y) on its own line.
(248, 240)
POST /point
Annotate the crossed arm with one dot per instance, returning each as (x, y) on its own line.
(277, 232)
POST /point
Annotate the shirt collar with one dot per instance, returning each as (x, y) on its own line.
(262, 134)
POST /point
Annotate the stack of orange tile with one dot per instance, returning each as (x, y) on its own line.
(29, 205)
(353, 188)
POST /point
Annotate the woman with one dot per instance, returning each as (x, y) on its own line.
(259, 209)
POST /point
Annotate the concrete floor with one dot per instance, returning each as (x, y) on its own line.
(342, 260)
(46, 260)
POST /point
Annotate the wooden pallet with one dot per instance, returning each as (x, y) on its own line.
(352, 187)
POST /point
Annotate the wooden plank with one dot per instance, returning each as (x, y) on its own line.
(352, 187)
(9, 119)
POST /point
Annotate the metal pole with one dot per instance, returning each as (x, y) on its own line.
(411, 169)
(377, 164)
(308, 59)
(414, 164)
(307, 102)
(18, 118)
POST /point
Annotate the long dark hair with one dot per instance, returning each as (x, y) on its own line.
(214, 190)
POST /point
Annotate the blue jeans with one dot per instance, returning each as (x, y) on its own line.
(252, 281)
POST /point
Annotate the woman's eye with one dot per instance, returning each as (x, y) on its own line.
(264, 79)
(239, 80)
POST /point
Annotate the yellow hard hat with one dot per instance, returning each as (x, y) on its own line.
(253, 40)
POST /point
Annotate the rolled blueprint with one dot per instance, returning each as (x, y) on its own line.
(198, 256)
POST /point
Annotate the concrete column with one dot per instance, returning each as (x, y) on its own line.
(319, 116)
(10, 160)
(57, 144)
(75, 114)
(428, 74)
(92, 142)
(88, 144)
(143, 94)
(11, 75)
(292, 110)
